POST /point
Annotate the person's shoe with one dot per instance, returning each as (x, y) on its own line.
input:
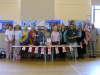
(92, 56)
(82, 57)
(78, 57)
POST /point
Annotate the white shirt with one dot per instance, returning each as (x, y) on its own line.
(10, 35)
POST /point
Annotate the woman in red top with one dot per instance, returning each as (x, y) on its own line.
(32, 34)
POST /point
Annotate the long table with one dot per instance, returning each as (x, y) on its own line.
(52, 54)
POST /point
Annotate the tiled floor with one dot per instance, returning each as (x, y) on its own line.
(88, 66)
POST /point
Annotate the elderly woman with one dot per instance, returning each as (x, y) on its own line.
(55, 36)
(55, 39)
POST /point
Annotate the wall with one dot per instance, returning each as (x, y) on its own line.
(37, 9)
(55, 9)
(71, 9)
(10, 9)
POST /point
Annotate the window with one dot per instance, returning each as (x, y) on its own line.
(96, 16)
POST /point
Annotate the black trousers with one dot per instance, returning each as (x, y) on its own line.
(81, 51)
(61, 54)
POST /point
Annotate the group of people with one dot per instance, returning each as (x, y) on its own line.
(59, 35)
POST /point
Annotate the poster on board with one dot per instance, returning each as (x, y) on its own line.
(4, 24)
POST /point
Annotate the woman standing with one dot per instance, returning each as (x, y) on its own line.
(18, 36)
(25, 41)
(88, 38)
(32, 34)
(55, 38)
(80, 41)
(9, 38)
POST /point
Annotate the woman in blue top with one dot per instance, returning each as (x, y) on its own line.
(18, 36)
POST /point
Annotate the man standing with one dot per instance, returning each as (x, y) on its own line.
(93, 41)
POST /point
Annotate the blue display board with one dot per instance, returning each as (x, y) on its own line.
(36, 23)
(4, 23)
(53, 21)
(29, 22)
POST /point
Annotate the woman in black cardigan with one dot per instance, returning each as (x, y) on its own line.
(80, 41)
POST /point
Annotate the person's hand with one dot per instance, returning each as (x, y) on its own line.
(74, 37)
(86, 42)
(70, 37)
(81, 46)
(11, 41)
